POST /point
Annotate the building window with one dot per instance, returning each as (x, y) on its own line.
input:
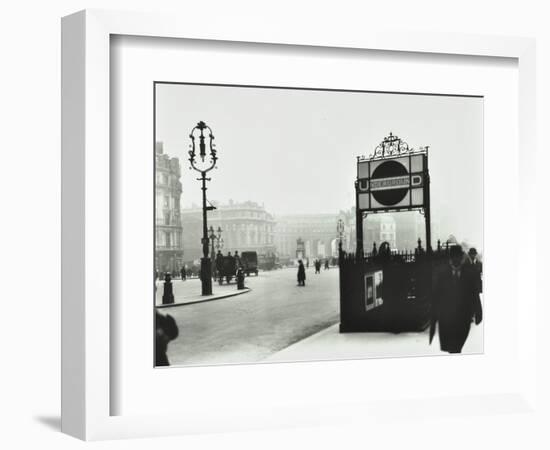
(167, 218)
(167, 239)
(166, 201)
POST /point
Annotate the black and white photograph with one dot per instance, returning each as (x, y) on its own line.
(310, 224)
(264, 225)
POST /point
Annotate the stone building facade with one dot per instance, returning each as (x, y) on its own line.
(246, 226)
(168, 227)
(401, 230)
(318, 231)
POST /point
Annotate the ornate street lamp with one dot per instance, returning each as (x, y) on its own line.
(207, 163)
(219, 244)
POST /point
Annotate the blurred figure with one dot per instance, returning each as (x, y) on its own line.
(455, 302)
(183, 273)
(317, 266)
(237, 259)
(326, 264)
(474, 264)
(384, 253)
(240, 278)
(166, 330)
(168, 291)
(301, 273)
(219, 264)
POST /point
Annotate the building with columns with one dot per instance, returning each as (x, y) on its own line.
(318, 232)
(246, 226)
(168, 228)
(401, 230)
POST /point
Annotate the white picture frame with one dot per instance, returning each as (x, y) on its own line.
(86, 250)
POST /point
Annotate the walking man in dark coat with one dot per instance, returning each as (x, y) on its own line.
(474, 264)
(455, 302)
(218, 265)
(301, 273)
(237, 259)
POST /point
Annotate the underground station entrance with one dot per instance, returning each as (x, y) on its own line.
(385, 289)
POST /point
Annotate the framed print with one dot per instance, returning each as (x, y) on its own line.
(237, 241)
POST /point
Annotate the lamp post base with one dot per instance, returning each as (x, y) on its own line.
(206, 276)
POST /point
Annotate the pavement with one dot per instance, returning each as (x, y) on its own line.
(189, 292)
(330, 344)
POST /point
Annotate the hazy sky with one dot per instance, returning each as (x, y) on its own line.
(295, 150)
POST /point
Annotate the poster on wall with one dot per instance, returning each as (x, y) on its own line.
(373, 289)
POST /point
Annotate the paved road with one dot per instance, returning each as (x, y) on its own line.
(250, 327)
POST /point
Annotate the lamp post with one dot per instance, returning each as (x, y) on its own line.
(207, 163)
(219, 244)
(215, 239)
(340, 230)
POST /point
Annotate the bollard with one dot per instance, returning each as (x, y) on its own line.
(240, 278)
(168, 294)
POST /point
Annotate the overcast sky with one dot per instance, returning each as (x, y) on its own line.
(295, 150)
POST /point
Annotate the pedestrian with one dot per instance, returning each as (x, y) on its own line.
(166, 330)
(307, 263)
(168, 291)
(183, 273)
(240, 278)
(455, 302)
(384, 253)
(301, 273)
(326, 264)
(229, 267)
(219, 265)
(317, 266)
(230, 259)
(475, 265)
(237, 259)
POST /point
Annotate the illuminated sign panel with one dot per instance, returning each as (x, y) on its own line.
(392, 183)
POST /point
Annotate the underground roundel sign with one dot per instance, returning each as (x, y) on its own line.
(393, 183)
